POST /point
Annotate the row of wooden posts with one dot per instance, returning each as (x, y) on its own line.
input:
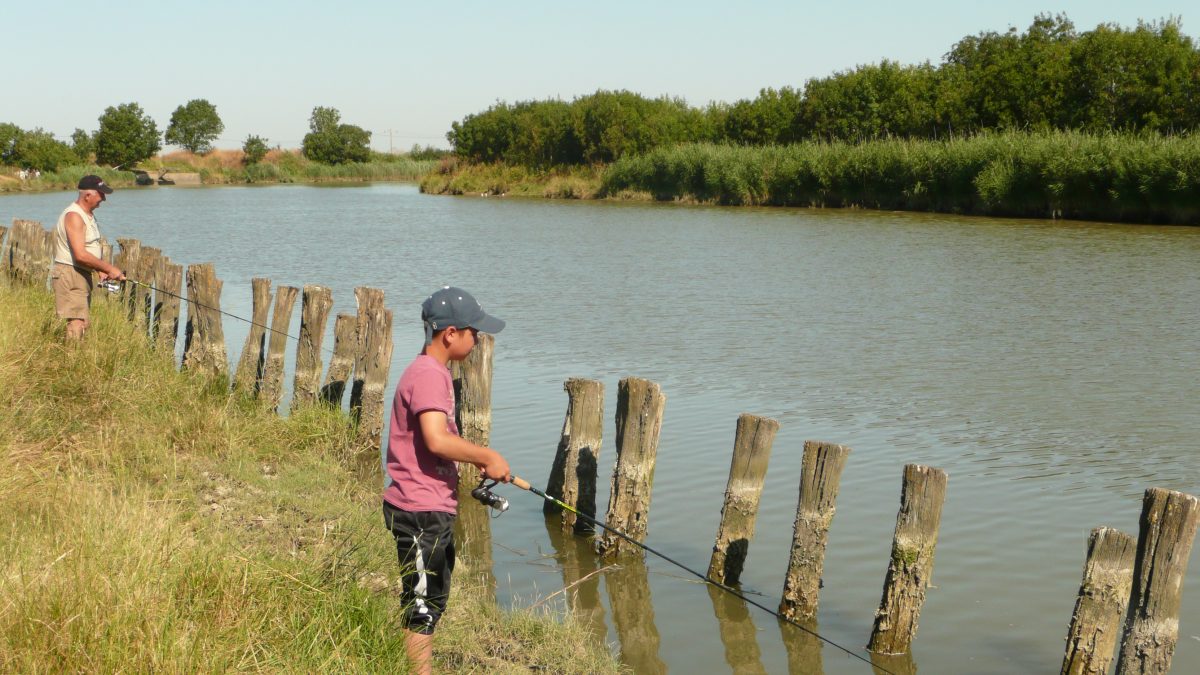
(1140, 583)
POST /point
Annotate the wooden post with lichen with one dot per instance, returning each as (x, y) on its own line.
(314, 313)
(271, 388)
(820, 477)
(473, 402)
(345, 339)
(251, 362)
(747, 470)
(1166, 532)
(1103, 597)
(376, 364)
(573, 474)
(204, 339)
(640, 406)
(166, 316)
(911, 567)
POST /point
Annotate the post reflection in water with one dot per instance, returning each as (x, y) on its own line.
(473, 540)
(803, 648)
(633, 614)
(578, 562)
(738, 634)
(898, 664)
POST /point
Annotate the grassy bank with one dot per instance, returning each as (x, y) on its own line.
(154, 523)
(226, 167)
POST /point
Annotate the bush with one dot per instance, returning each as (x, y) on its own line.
(255, 148)
(329, 142)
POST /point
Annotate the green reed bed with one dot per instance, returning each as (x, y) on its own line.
(155, 523)
(1140, 178)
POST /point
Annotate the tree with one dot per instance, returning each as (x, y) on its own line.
(329, 142)
(83, 145)
(195, 126)
(38, 149)
(126, 136)
(9, 133)
(255, 148)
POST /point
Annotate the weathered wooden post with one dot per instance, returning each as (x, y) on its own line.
(633, 615)
(251, 362)
(473, 402)
(751, 450)
(314, 313)
(345, 339)
(573, 474)
(4, 262)
(1167, 530)
(640, 406)
(370, 303)
(26, 244)
(143, 298)
(127, 262)
(376, 364)
(204, 339)
(166, 316)
(911, 567)
(820, 477)
(271, 388)
(1103, 597)
(738, 634)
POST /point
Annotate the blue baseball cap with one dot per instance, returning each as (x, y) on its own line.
(454, 307)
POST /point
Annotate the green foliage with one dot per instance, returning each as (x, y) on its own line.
(195, 126)
(428, 152)
(126, 136)
(9, 133)
(38, 149)
(255, 148)
(82, 145)
(329, 142)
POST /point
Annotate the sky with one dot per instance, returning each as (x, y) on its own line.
(405, 71)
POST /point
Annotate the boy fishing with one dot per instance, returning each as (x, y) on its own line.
(420, 496)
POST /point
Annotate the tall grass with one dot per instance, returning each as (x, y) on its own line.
(155, 523)
(1142, 178)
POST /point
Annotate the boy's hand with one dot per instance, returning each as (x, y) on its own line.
(496, 468)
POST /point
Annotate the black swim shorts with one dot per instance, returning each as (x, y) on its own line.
(425, 547)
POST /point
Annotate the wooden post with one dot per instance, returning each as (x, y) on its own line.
(376, 364)
(253, 358)
(45, 258)
(204, 341)
(1167, 530)
(633, 616)
(106, 254)
(26, 250)
(473, 403)
(271, 388)
(370, 305)
(4, 261)
(738, 634)
(314, 313)
(820, 477)
(911, 567)
(143, 298)
(751, 449)
(1103, 597)
(573, 474)
(639, 420)
(167, 314)
(345, 339)
(127, 262)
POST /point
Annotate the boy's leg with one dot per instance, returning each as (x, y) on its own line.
(425, 548)
(420, 652)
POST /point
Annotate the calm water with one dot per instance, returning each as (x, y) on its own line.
(1049, 368)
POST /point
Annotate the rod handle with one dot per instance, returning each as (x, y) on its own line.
(520, 482)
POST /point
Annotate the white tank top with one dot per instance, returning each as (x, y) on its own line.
(91, 235)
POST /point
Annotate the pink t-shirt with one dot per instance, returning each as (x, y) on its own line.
(419, 480)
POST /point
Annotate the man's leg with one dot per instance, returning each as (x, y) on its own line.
(76, 328)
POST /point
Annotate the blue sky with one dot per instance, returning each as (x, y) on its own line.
(413, 68)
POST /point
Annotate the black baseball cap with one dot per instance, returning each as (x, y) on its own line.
(94, 182)
(451, 306)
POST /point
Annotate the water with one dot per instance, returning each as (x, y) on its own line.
(1049, 368)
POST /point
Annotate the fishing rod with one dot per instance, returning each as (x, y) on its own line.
(115, 287)
(485, 496)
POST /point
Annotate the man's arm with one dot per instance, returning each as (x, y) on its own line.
(446, 445)
(75, 240)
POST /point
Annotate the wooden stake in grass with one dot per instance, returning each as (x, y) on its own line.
(473, 403)
(345, 340)
(271, 390)
(127, 262)
(377, 362)
(573, 474)
(821, 474)
(640, 406)
(143, 295)
(4, 262)
(313, 315)
(167, 314)
(1165, 536)
(747, 470)
(250, 363)
(1103, 597)
(370, 308)
(204, 340)
(911, 567)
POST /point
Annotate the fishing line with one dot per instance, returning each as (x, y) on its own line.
(484, 495)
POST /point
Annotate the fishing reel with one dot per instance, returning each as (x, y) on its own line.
(110, 285)
(483, 493)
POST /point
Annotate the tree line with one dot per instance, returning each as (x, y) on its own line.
(1049, 77)
(127, 135)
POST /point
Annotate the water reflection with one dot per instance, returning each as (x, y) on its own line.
(633, 615)
(581, 577)
(737, 633)
(896, 664)
(803, 647)
(473, 540)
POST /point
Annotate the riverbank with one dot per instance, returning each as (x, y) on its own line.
(227, 167)
(1111, 177)
(156, 523)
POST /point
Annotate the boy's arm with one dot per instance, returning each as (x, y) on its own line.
(446, 445)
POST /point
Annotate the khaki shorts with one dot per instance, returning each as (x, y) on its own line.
(72, 291)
